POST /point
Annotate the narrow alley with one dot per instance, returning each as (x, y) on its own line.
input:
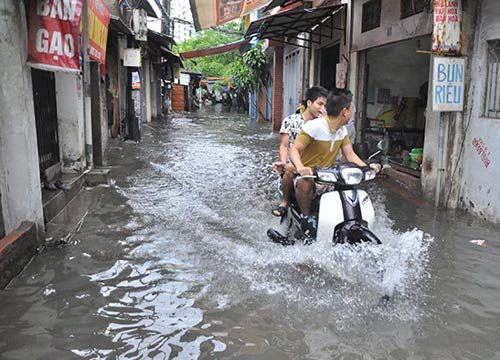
(171, 260)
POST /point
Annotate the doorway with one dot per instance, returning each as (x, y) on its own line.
(329, 58)
(44, 98)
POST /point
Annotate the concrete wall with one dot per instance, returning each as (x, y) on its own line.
(19, 173)
(392, 28)
(481, 163)
(71, 121)
(445, 132)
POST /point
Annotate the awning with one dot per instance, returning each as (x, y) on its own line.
(118, 25)
(214, 50)
(160, 39)
(170, 56)
(294, 22)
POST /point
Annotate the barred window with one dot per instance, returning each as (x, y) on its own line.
(412, 7)
(370, 15)
(493, 81)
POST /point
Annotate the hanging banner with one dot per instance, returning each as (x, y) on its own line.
(448, 84)
(447, 33)
(208, 13)
(99, 16)
(53, 35)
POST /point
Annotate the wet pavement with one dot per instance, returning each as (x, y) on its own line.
(171, 260)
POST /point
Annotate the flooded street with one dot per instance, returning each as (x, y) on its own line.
(171, 260)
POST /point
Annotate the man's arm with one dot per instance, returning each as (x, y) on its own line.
(351, 156)
(284, 139)
(295, 153)
(280, 164)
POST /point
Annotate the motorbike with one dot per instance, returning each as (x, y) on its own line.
(345, 212)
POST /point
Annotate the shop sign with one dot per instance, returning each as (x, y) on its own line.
(448, 84)
(53, 35)
(208, 13)
(184, 79)
(447, 33)
(132, 57)
(98, 22)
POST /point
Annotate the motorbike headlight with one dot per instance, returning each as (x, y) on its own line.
(370, 175)
(352, 176)
(326, 176)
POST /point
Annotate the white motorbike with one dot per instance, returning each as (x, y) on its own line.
(345, 213)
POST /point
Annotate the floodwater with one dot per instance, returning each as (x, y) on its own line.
(171, 261)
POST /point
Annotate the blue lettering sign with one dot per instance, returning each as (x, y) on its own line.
(448, 84)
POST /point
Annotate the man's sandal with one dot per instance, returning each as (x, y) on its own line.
(279, 211)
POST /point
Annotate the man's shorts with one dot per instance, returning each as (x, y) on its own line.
(319, 189)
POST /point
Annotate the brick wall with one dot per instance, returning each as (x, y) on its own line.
(277, 93)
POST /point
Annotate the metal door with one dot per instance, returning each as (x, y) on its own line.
(44, 98)
(292, 81)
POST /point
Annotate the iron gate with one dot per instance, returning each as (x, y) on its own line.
(292, 81)
(44, 97)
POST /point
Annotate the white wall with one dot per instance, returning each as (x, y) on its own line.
(480, 183)
(19, 174)
(71, 122)
(391, 28)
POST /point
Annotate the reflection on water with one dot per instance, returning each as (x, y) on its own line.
(172, 261)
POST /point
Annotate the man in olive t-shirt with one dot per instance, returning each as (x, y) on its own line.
(317, 145)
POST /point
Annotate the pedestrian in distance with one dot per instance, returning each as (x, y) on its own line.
(317, 146)
(314, 107)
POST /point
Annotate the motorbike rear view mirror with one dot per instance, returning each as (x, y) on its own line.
(383, 145)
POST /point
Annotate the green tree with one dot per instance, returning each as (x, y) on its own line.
(215, 65)
(252, 72)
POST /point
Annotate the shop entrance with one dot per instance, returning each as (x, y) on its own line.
(396, 99)
(329, 58)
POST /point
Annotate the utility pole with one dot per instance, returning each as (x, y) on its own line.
(166, 27)
(87, 105)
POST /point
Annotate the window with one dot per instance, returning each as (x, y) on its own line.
(370, 15)
(493, 81)
(412, 7)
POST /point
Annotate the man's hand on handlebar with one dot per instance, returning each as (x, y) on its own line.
(305, 171)
(278, 166)
(376, 166)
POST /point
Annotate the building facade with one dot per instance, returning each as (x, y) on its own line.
(181, 17)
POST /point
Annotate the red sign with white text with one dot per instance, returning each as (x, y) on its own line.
(53, 34)
(98, 30)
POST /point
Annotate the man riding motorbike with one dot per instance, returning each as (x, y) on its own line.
(317, 146)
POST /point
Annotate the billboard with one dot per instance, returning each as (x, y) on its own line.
(208, 13)
(98, 20)
(53, 35)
